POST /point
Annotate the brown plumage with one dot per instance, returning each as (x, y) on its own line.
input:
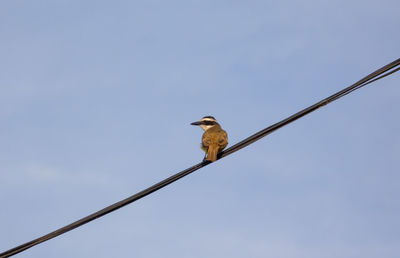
(214, 139)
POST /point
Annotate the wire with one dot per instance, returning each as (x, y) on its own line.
(378, 74)
(382, 72)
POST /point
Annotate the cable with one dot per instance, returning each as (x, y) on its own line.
(378, 74)
(384, 71)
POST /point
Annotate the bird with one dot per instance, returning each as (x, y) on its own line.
(214, 139)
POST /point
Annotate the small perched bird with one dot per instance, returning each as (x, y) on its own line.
(214, 138)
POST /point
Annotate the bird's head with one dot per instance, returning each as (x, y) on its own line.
(206, 122)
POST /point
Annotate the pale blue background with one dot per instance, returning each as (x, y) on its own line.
(96, 101)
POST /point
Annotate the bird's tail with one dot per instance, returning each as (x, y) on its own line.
(212, 153)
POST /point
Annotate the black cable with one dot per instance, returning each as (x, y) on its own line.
(382, 72)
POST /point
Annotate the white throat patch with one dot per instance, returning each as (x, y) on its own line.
(206, 127)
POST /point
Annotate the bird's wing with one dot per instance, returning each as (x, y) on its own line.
(223, 139)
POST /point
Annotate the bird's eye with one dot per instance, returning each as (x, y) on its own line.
(209, 122)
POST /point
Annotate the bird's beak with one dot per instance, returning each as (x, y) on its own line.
(196, 123)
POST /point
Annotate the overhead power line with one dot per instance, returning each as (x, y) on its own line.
(378, 74)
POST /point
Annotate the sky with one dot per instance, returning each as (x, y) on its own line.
(96, 101)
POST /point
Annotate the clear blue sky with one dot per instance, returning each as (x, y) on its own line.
(96, 101)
